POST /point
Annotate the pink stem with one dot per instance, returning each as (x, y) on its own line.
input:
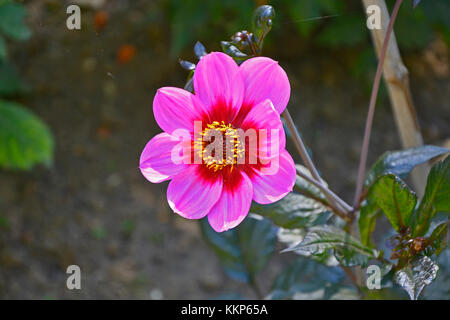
(373, 100)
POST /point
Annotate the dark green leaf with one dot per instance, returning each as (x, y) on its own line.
(307, 188)
(320, 239)
(438, 185)
(200, 50)
(436, 198)
(262, 20)
(305, 279)
(231, 50)
(245, 250)
(419, 273)
(438, 238)
(290, 237)
(294, 211)
(402, 162)
(396, 200)
(368, 215)
(348, 257)
(11, 21)
(258, 240)
(24, 139)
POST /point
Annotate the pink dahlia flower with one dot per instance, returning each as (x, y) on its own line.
(239, 104)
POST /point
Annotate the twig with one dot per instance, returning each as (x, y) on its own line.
(300, 145)
(354, 279)
(325, 190)
(334, 200)
(373, 99)
(396, 78)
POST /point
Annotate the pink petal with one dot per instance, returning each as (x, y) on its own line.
(265, 79)
(157, 163)
(219, 86)
(268, 188)
(233, 204)
(191, 195)
(261, 117)
(175, 108)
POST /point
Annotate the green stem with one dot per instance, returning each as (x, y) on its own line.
(343, 206)
(338, 204)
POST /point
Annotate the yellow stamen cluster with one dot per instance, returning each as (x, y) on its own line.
(230, 139)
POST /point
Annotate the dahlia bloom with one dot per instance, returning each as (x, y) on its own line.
(239, 104)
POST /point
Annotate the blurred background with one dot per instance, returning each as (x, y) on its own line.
(79, 104)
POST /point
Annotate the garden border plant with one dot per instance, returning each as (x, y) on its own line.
(332, 237)
(25, 140)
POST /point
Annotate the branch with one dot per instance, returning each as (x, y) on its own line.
(373, 100)
(331, 197)
(328, 192)
(354, 279)
(300, 145)
(397, 82)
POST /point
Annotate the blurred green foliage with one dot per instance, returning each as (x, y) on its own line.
(24, 139)
(11, 20)
(313, 24)
(329, 23)
(196, 19)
